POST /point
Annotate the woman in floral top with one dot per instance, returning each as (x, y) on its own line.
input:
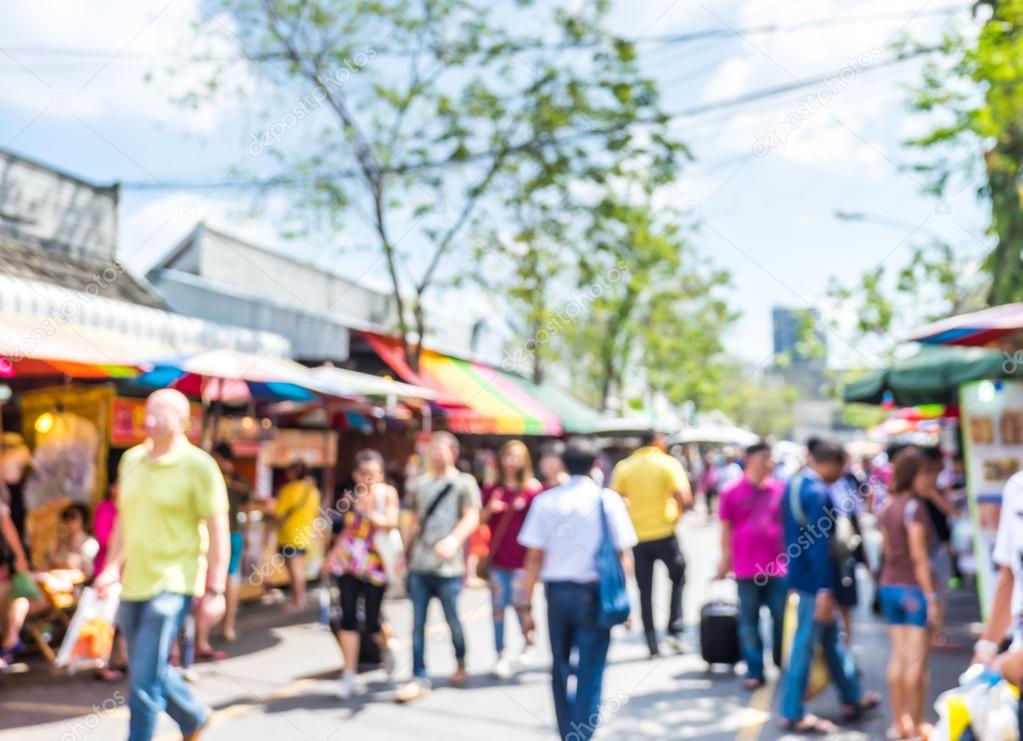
(359, 566)
(507, 503)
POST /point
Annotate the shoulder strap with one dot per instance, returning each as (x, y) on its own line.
(435, 503)
(795, 500)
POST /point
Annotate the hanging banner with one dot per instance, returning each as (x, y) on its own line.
(992, 423)
(127, 422)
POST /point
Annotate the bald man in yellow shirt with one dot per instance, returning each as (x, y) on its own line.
(657, 490)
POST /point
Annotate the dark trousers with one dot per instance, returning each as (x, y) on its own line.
(646, 554)
(352, 588)
(752, 597)
(572, 622)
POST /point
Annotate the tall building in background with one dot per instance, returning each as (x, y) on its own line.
(799, 339)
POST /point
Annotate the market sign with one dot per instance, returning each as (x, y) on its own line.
(315, 448)
(992, 424)
(127, 422)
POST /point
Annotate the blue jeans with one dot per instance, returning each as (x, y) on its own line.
(752, 597)
(421, 588)
(572, 621)
(506, 590)
(841, 666)
(149, 628)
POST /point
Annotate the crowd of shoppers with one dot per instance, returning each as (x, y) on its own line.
(170, 536)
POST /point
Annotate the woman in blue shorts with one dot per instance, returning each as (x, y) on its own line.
(907, 591)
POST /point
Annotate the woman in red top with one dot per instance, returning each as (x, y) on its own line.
(507, 503)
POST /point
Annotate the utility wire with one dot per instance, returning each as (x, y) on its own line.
(694, 111)
(76, 54)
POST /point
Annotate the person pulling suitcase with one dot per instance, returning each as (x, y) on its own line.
(752, 546)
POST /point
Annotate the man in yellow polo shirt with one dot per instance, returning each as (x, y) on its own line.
(656, 487)
(172, 501)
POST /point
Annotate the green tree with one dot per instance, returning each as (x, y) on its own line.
(936, 281)
(652, 319)
(757, 404)
(417, 111)
(974, 88)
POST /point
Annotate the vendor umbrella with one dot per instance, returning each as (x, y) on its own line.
(930, 376)
(999, 326)
(231, 376)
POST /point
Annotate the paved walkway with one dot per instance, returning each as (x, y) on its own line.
(280, 683)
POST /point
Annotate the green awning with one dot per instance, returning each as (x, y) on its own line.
(931, 376)
(576, 416)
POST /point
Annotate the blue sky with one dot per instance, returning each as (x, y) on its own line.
(764, 211)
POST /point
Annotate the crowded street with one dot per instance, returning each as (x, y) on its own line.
(280, 683)
(511, 369)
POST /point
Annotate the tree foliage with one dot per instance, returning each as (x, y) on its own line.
(655, 319)
(420, 113)
(974, 90)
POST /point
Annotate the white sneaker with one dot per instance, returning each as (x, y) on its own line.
(502, 669)
(527, 657)
(347, 686)
(391, 657)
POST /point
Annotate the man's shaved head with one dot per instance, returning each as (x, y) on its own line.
(166, 413)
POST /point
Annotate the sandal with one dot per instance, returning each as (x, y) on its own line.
(869, 701)
(214, 654)
(753, 683)
(810, 725)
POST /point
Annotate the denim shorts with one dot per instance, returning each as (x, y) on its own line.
(234, 565)
(904, 605)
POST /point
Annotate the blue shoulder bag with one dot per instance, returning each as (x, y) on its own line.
(614, 596)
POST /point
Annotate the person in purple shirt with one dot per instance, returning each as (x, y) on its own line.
(752, 542)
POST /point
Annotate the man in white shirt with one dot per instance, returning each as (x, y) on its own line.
(1007, 604)
(562, 533)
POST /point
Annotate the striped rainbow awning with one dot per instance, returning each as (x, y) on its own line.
(480, 399)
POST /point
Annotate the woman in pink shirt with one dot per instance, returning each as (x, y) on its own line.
(752, 542)
(507, 503)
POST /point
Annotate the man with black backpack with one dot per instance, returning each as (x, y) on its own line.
(445, 510)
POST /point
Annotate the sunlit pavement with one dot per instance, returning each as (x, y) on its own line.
(280, 684)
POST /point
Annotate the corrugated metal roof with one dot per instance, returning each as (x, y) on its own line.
(98, 277)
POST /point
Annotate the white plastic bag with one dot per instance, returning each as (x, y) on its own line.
(988, 702)
(90, 635)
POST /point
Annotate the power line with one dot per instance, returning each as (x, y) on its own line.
(76, 54)
(694, 111)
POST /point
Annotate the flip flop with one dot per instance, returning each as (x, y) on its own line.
(810, 725)
(869, 701)
(214, 655)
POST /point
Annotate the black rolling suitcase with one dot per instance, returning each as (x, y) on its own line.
(719, 632)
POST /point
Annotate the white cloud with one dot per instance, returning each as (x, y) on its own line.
(730, 79)
(92, 59)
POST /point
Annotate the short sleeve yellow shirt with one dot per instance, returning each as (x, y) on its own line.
(161, 505)
(298, 506)
(648, 479)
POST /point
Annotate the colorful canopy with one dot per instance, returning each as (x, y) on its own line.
(369, 385)
(492, 401)
(1000, 326)
(232, 376)
(52, 346)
